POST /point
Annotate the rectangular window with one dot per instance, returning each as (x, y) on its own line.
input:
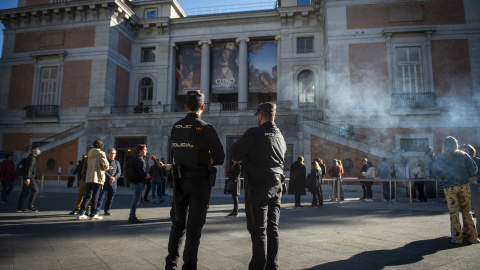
(48, 86)
(304, 3)
(148, 54)
(150, 13)
(409, 70)
(305, 45)
(414, 144)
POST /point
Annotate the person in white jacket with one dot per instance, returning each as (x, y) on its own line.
(370, 173)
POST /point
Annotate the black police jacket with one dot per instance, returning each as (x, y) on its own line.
(194, 141)
(262, 150)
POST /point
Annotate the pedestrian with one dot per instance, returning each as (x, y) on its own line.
(70, 171)
(138, 182)
(454, 167)
(110, 186)
(95, 178)
(336, 172)
(364, 183)
(298, 176)
(164, 177)
(148, 183)
(316, 188)
(419, 173)
(196, 147)
(474, 182)
(369, 174)
(262, 151)
(429, 159)
(82, 184)
(322, 166)
(156, 173)
(29, 174)
(8, 175)
(234, 179)
(385, 173)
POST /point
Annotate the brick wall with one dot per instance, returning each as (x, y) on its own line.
(436, 12)
(19, 141)
(62, 155)
(37, 2)
(76, 83)
(451, 68)
(122, 82)
(368, 70)
(21, 85)
(55, 39)
(124, 46)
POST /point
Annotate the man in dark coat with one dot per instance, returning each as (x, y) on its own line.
(29, 181)
(298, 176)
(234, 179)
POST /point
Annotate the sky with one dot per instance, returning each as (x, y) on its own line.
(185, 4)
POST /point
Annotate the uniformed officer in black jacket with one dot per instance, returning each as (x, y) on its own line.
(262, 150)
(196, 146)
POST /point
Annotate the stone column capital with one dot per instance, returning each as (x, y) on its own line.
(173, 45)
(205, 41)
(242, 39)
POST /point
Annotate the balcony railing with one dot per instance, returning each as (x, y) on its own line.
(130, 109)
(414, 100)
(41, 111)
(238, 106)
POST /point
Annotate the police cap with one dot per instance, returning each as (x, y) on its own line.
(266, 107)
(195, 96)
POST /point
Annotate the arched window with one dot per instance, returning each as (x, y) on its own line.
(146, 92)
(306, 88)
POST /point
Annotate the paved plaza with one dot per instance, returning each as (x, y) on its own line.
(352, 235)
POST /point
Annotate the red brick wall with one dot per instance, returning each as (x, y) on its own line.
(76, 83)
(62, 155)
(122, 82)
(21, 85)
(451, 68)
(436, 12)
(368, 70)
(19, 141)
(72, 38)
(37, 2)
(124, 46)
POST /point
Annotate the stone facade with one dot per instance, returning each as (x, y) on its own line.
(97, 56)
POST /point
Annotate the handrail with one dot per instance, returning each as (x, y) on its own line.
(349, 134)
(58, 136)
(34, 111)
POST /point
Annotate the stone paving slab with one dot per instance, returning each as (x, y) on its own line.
(353, 235)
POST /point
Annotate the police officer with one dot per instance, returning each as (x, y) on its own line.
(262, 150)
(196, 147)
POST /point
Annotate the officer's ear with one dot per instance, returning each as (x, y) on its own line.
(203, 106)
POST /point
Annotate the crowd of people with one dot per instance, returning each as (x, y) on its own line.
(259, 156)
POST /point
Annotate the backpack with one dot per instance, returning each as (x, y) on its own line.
(311, 182)
(129, 171)
(23, 167)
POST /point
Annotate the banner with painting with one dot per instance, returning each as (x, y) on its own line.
(187, 69)
(224, 68)
(262, 67)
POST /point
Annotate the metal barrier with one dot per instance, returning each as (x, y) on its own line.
(58, 179)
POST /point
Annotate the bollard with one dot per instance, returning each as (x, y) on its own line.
(410, 192)
(395, 191)
(58, 181)
(436, 189)
(390, 191)
(338, 190)
(43, 178)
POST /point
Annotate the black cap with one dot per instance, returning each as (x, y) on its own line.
(266, 107)
(195, 96)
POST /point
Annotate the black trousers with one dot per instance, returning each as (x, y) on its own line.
(92, 193)
(297, 199)
(148, 183)
(235, 203)
(264, 206)
(317, 193)
(32, 188)
(188, 218)
(368, 186)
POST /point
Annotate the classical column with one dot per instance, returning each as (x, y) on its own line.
(279, 66)
(430, 87)
(243, 72)
(170, 99)
(205, 69)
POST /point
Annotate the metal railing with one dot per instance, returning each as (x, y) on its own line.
(414, 100)
(238, 106)
(347, 133)
(130, 109)
(224, 9)
(59, 136)
(35, 111)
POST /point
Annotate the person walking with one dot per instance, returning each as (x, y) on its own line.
(70, 170)
(8, 175)
(95, 178)
(148, 183)
(474, 182)
(196, 147)
(29, 181)
(385, 173)
(336, 171)
(82, 184)
(364, 183)
(454, 167)
(138, 182)
(316, 187)
(369, 174)
(262, 151)
(298, 176)
(234, 178)
(110, 186)
(156, 172)
(419, 173)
